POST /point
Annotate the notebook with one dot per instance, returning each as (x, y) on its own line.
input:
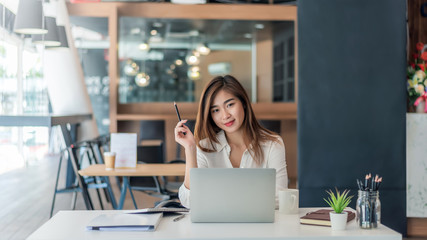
(321, 217)
(232, 194)
(125, 222)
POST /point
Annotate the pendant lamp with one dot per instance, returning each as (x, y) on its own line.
(29, 17)
(51, 39)
(61, 17)
(62, 34)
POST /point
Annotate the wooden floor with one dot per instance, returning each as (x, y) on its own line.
(26, 198)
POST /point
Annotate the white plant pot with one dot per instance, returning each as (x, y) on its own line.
(338, 220)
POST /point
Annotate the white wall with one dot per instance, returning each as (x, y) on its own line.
(65, 80)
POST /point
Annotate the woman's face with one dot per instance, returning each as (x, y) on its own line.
(227, 112)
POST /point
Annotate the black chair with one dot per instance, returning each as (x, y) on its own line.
(79, 154)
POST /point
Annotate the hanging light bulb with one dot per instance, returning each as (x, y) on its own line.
(203, 49)
(195, 69)
(194, 73)
(196, 53)
(178, 62)
(131, 68)
(142, 79)
(144, 46)
(192, 59)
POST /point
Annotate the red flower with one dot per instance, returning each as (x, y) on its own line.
(421, 66)
(415, 55)
(424, 56)
(420, 46)
(413, 65)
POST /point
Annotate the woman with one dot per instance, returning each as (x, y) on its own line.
(227, 135)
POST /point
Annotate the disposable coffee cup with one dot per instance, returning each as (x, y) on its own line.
(288, 201)
(109, 159)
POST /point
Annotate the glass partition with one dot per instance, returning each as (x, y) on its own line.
(91, 40)
(164, 60)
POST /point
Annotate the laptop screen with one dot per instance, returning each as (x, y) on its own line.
(232, 194)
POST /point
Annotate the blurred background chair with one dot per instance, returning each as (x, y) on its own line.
(81, 155)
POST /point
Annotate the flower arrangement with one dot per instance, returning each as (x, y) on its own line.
(417, 78)
(339, 202)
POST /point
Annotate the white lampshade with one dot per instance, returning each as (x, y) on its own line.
(51, 39)
(29, 18)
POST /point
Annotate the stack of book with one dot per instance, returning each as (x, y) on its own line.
(321, 217)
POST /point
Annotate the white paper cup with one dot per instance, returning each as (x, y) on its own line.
(109, 160)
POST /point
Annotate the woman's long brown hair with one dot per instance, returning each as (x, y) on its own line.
(253, 133)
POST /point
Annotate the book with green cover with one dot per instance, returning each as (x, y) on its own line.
(321, 217)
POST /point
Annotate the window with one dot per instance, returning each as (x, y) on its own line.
(22, 91)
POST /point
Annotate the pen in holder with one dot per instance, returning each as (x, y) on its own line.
(368, 205)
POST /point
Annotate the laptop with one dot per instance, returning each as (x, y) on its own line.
(232, 194)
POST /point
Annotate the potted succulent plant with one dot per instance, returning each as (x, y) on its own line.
(338, 203)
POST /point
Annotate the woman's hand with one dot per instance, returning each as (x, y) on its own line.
(184, 136)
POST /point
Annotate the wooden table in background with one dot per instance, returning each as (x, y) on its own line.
(141, 170)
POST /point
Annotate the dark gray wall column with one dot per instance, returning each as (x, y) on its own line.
(352, 100)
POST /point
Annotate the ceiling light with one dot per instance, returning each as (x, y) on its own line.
(193, 33)
(135, 31)
(153, 32)
(156, 39)
(191, 59)
(259, 26)
(194, 73)
(144, 47)
(142, 79)
(157, 24)
(62, 35)
(178, 62)
(29, 18)
(203, 49)
(196, 53)
(60, 22)
(247, 35)
(131, 68)
(51, 38)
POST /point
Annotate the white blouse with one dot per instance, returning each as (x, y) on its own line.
(274, 157)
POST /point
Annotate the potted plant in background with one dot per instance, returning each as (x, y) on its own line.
(338, 203)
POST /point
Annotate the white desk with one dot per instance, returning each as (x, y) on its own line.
(71, 225)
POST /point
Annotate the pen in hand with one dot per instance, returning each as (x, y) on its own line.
(177, 113)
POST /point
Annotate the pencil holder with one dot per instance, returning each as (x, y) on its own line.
(368, 209)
